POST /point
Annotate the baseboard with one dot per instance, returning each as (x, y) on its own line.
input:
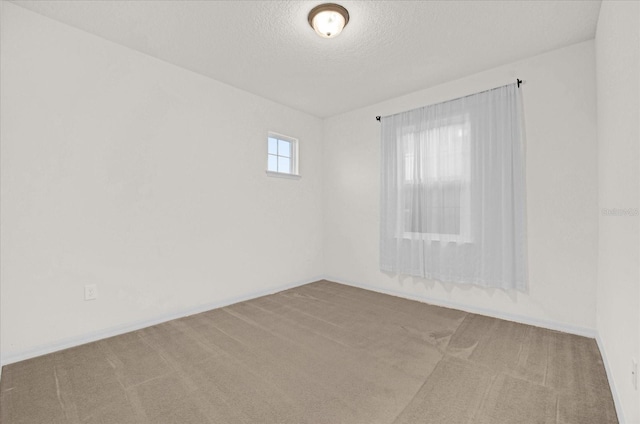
(13, 357)
(565, 328)
(612, 386)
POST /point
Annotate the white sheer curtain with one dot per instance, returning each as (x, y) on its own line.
(453, 191)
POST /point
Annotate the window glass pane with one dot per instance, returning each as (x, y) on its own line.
(273, 146)
(446, 153)
(284, 148)
(272, 164)
(284, 165)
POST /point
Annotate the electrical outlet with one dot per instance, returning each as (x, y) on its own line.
(634, 373)
(90, 292)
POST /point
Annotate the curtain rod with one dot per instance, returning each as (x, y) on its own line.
(518, 81)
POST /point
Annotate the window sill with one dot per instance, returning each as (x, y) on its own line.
(283, 175)
(434, 237)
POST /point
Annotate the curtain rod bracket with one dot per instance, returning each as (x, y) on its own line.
(377, 118)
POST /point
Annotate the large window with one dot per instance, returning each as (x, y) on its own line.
(453, 192)
(436, 181)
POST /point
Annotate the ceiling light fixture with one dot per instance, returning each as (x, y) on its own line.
(328, 19)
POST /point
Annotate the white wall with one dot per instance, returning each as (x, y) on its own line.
(141, 177)
(618, 309)
(560, 116)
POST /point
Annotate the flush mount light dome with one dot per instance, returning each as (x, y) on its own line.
(328, 19)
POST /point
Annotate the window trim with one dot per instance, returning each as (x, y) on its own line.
(436, 237)
(283, 175)
(294, 174)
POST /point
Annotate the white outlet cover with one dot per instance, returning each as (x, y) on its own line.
(90, 292)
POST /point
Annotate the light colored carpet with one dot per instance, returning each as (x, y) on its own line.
(320, 353)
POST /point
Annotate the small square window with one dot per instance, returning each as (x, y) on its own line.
(282, 155)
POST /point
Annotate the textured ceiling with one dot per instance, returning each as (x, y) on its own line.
(388, 49)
